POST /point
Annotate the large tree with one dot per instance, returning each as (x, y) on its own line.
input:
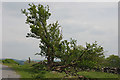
(51, 43)
(48, 34)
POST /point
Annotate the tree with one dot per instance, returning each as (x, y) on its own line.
(49, 34)
(87, 57)
(74, 57)
(51, 44)
(113, 61)
(68, 51)
(93, 54)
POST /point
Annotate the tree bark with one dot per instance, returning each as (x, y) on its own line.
(50, 59)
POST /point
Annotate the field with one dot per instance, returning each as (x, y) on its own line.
(26, 71)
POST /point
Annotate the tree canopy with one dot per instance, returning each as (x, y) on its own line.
(113, 61)
(49, 34)
(52, 44)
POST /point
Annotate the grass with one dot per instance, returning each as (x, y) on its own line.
(0, 61)
(48, 74)
(54, 75)
(92, 74)
(26, 71)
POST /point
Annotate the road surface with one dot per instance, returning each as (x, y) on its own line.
(8, 72)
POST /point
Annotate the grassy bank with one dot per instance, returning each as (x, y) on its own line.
(26, 71)
(23, 70)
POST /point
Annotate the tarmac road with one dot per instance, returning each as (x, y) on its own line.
(8, 72)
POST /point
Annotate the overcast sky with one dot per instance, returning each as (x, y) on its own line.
(85, 22)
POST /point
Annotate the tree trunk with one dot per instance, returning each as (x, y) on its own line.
(49, 59)
(52, 61)
(49, 62)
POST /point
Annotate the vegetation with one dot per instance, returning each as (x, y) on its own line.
(27, 62)
(72, 56)
(113, 61)
(10, 61)
(28, 71)
(0, 61)
(92, 74)
(48, 34)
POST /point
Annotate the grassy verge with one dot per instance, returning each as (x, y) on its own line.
(26, 71)
(92, 74)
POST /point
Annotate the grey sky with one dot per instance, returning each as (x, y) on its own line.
(118, 29)
(85, 22)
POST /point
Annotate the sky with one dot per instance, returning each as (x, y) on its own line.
(83, 21)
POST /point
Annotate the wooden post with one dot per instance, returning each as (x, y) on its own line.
(29, 60)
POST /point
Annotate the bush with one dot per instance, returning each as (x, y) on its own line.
(41, 74)
(31, 62)
(11, 61)
(38, 67)
(86, 64)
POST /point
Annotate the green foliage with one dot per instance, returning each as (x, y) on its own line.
(48, 34)
(51, 43)
(11, 61)
(69, 51)
(41, 74)
(113, 61)
(87, 64)
(92, 57)
(27, 62)
(88, 56)
(26, 71)
(38, 67)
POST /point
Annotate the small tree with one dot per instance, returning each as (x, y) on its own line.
(113, 61)
(49, 34)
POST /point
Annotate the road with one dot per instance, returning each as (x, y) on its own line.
(8, 72)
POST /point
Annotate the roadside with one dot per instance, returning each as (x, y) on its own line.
(8, 72)
(0, 71)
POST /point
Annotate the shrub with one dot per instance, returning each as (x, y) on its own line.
(11, 61)
(41, 74)
(31, 62)
(38, 67)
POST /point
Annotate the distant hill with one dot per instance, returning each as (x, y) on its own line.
(21, 62)
(10, 61)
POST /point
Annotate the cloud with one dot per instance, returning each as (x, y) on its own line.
(85, 22)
